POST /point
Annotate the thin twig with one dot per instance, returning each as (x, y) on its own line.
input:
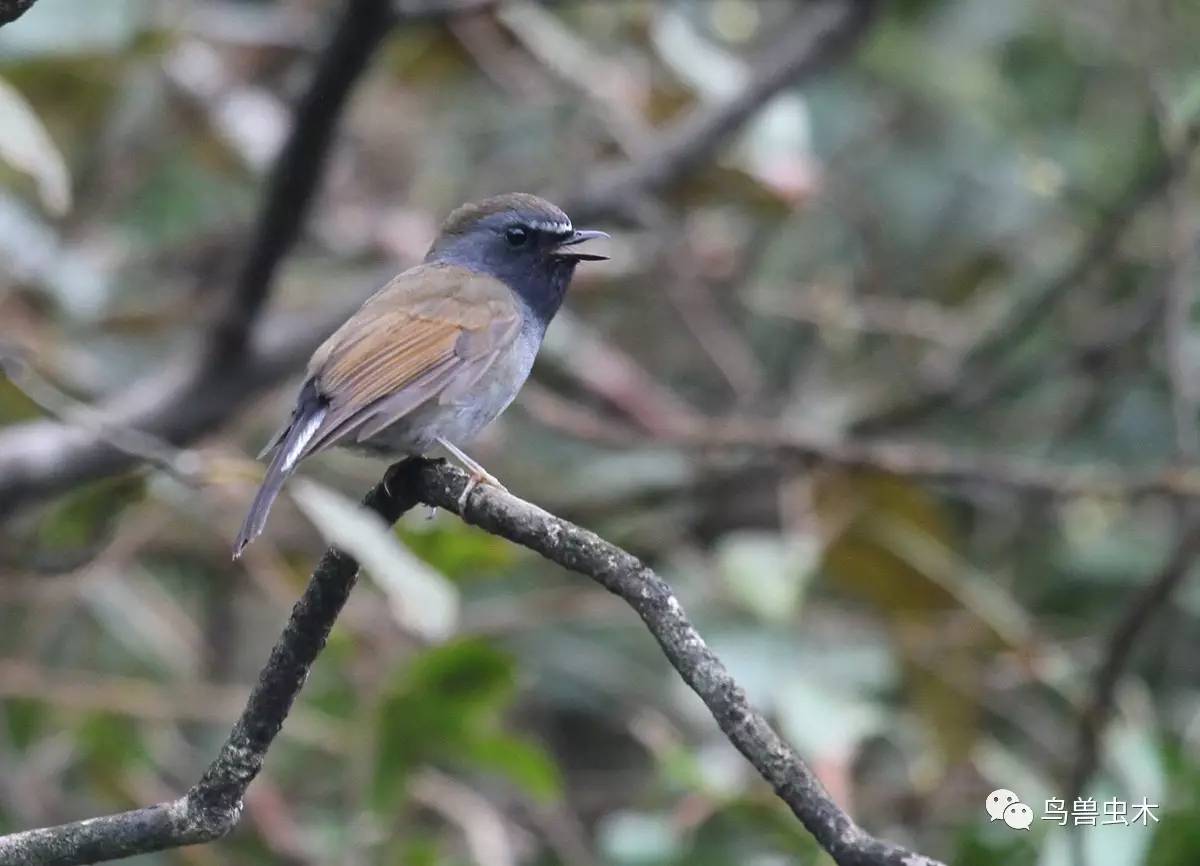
(821, 33)
(976, 375)
(181, 464)
(1137, 616)
(1157, 593)
(41, 459)
(921, 460)
(213, 806)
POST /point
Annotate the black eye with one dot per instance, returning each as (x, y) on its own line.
(516, 236)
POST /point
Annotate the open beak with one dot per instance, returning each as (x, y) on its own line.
(576, 238)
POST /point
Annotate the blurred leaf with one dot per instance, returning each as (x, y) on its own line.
(141, 617)
(889, 549)
(182, 196)
(420, 598)
(983, 845)
(26, 146)
(767, 573)
(441, 704)
(638, 838)
(26, 720)
(455, 549)
(752, 830)
(525, 764)
(109, 744)
(88, 513)
(832, 732)
(15, 404)
(1176, 838)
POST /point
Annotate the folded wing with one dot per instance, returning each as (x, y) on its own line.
(432, 332)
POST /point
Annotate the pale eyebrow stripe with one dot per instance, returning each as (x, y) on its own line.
(552, 227)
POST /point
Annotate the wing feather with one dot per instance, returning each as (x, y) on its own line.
(432, 332)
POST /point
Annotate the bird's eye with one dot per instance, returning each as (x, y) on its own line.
(516, 236)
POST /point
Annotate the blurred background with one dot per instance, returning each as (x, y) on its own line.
(892, 375)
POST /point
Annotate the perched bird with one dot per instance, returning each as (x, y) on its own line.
(435, 355)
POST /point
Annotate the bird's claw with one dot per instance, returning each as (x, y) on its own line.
(474, 481)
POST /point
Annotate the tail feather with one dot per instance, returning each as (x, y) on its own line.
(288, 447)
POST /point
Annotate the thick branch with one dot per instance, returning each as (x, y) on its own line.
(298, 170)
(212, 807)
(44, 458)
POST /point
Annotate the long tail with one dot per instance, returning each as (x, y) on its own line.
(289, 448)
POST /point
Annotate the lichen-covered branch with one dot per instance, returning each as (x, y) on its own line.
(212, 807)
(214, 804)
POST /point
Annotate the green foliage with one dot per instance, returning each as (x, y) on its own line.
(457, 551)
(87, 514)
(447, 705)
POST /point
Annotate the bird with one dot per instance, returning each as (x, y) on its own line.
(439, 352)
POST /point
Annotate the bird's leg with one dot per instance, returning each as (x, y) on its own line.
(479, 475)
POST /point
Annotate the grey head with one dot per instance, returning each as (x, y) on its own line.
(522, 240)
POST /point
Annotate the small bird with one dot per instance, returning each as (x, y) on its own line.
(435, 355)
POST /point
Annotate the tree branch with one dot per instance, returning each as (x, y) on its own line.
(911, 459)
(298, 169)
(39, 459)
(1136, 617)
(976, 375)
(818, 36)
(44, 458)
(213, 806)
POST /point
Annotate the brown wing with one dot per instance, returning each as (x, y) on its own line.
(432, 331)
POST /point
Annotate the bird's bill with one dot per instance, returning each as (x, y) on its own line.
(578, 237)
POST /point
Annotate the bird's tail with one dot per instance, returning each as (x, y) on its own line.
(289, 448)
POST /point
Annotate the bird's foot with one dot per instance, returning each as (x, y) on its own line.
(479, 475)
(482, 476)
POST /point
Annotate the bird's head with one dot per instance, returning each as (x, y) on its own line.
(523, 240)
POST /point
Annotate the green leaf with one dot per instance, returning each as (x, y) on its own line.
(87, 514)
(526, 764)
(455, 549)
(437, 708)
